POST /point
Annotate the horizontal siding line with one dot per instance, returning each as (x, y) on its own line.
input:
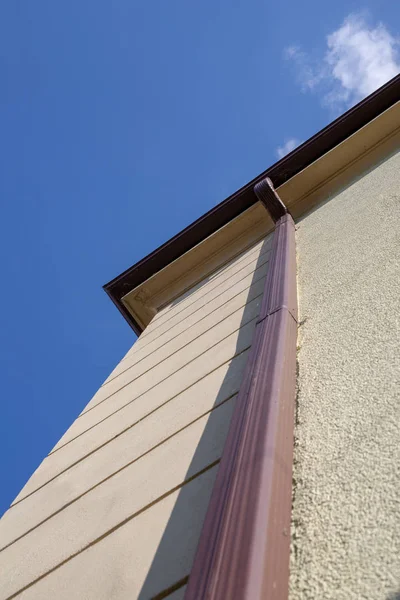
(214, 275)
(245, 304)
(184, 331)
(115, 528)
(130, 463)
(171, 589)
(253, 282)
(152, 387)
(203, 285)
(211, 282)
(126, 429)
(207, 304)
(152, 330)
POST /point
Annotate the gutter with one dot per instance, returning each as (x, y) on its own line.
(297, 160)
(244, 547)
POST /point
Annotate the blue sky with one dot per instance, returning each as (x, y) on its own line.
(122, 122)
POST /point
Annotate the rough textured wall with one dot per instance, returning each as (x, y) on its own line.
(346, 516)
(115, 510)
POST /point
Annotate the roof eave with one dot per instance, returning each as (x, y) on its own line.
(280, 172)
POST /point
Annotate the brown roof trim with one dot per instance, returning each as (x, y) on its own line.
(217, 217)
(243, 552)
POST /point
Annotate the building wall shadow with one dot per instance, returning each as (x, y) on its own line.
(181, 535)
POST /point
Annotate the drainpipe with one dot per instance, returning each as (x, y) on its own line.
(244, 547)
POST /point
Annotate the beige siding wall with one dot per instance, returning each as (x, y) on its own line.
(346, 515)
(115, 510)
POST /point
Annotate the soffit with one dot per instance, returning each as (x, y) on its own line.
(304, 190)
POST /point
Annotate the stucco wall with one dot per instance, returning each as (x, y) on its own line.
(346, 514)
(115, 510)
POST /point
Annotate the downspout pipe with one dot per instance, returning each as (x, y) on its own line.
(244, 547)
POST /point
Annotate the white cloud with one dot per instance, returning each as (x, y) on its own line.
(359, 58)
(309, 73)
(287, 147)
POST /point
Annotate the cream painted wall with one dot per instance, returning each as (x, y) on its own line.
(116, 509)
(346, 513)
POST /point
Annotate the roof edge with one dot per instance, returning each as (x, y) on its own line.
(280, 172)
